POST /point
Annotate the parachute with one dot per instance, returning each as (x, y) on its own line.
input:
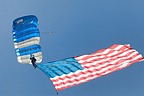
(26, 37)
(72, 71)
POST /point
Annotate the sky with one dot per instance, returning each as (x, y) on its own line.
(79, 27)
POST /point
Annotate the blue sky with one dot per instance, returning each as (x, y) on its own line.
(80, 27)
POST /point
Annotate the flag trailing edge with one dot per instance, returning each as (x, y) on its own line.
(79, 69)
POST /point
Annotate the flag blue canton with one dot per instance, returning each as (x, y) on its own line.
(58, 68)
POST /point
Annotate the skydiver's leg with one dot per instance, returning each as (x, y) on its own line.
(34, 65)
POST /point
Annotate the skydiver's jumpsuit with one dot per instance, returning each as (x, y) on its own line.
(33, 60)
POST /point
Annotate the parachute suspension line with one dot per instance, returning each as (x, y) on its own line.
(56, 91)
(48, 33)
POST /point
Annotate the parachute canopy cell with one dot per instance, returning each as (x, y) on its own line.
(26, 37)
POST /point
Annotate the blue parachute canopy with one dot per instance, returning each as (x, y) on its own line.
(26, 37)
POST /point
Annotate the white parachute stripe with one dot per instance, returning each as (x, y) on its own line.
(26, 58)
(38, 57)
(23, 59)
(29, 42)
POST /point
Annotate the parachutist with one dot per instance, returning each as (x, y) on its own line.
(33, 61)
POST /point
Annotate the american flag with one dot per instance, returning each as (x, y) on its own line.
(79, 69)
